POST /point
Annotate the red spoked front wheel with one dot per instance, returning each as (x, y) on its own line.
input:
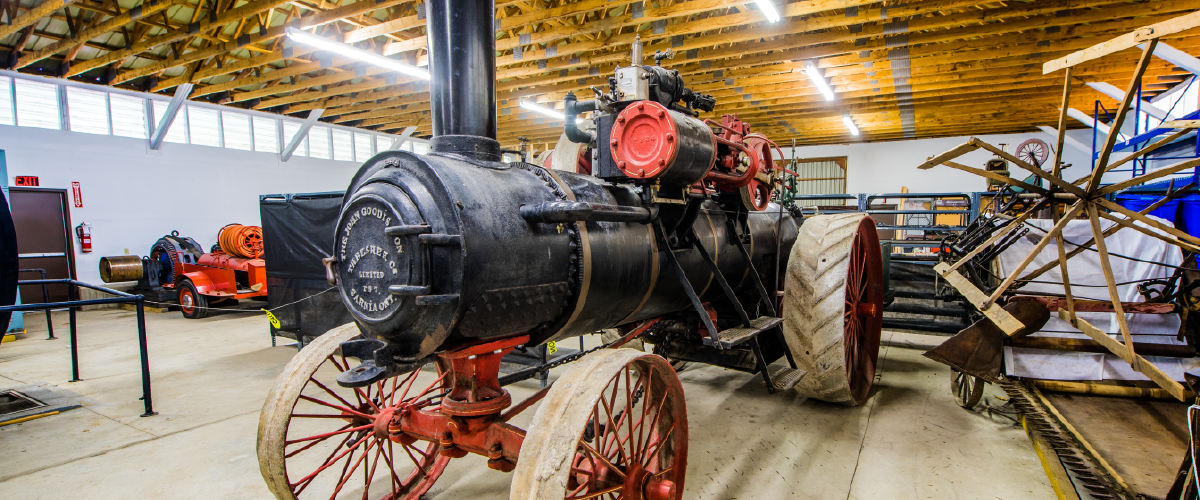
(614, 426)
(319, 440)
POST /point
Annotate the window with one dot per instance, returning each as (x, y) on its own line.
(204, 126)
(6, 102)
(362, 147)
(236, 127)
(87, 111)
(289, 132)
(820, 176)
(266, 135)
(343, 145)
(37, 105)
(420, 148)
(128, 116)
(177, 132)
(318, 143)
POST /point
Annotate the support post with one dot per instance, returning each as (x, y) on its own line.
(160, 129)
(300, 134)
(1062, 125)
(1130, 92)
(74, 337)
(408, 132)
(147, 400)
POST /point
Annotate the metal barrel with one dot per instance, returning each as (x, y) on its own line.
(120, 268)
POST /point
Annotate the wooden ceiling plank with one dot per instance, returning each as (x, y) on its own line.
(111, 24)
(321, 18)
(222, 20)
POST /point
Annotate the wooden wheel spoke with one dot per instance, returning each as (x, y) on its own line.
(662, 442)
(408, 450)
(314, 443)
(612, 430)
(408, 382)
(429, 389)
(309, 478)
(369, 476)
(578, 489)
(642, 455)
(601, 458)
(336, 407)
(331, 393)
(646, 384)
(391, 465)
(343, 430)
(629, 392)
(614, 489)
(314, 415)
(347, 473)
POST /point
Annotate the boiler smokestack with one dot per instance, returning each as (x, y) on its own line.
(462, 63)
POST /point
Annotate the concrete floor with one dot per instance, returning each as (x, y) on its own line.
(211, 376)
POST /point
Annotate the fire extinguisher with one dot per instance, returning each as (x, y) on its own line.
(84, 232)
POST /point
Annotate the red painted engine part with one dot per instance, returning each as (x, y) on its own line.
(215, 275)
(222, 260)
(649, 141)
(735, 141)
(468, 420)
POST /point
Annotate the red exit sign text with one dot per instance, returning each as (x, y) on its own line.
(27, 180)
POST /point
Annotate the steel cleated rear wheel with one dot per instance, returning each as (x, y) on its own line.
(319, 440)
(833, 306)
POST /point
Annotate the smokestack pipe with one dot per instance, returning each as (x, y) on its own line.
(462, 91)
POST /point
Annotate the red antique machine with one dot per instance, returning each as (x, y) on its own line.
(450, 260)
(179, 269)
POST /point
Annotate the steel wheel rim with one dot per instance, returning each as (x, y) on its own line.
(621, 457)
(965, 388)
(360, 460)
(187, 301)
(863, 311)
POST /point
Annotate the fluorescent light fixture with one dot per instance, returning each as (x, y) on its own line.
(538, 108)
(768, 9)
(815, 76)
(850, 124)
(548, 111)
(355, 53)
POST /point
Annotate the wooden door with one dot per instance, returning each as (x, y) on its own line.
(43, 239)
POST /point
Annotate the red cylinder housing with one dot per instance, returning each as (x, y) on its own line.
(649, 141)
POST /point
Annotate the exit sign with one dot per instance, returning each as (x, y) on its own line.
(27, 180)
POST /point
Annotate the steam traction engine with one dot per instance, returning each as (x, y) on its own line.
(453, 259)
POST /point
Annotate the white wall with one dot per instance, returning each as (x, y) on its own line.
(885, 167)
(132, 196)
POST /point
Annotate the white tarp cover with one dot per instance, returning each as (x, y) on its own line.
(1087, 282)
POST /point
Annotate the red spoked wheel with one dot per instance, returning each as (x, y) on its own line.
(319, 440)
(614, 426)
(757, 193)
(833, 306)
